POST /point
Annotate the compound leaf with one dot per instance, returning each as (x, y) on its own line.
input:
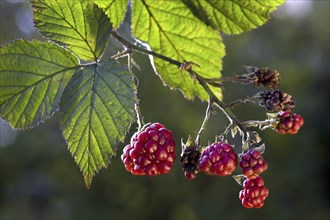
(96, 110)
(33, 76)
(233, 16)
(172, 30)
(80, 25)
(114, 9)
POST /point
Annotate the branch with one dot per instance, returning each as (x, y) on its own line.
(214, 99)
(268, 123)
(231, 117)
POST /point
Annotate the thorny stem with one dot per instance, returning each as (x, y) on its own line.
(231, 117)
(242, 79)
(206, 118)
(241, 101)
(228, 128)
(138, 115)
(136, 106)
(261, 124)
(235, 79)
(218, 82)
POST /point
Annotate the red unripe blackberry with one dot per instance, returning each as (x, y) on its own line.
(218, 159)
(289, 123)
(253, 164)
(254, 193)
(151, 151)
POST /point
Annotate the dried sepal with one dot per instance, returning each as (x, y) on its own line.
(266, 77)
(275, 101)
(239, 179)
(261, 149)
(233, 131)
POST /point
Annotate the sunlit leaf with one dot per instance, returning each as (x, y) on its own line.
(80, 25)
(172, 30)
(96, 110)
(33, 76)
(114, 9)
(233, 16)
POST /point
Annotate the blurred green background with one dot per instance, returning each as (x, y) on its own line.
(39, 179)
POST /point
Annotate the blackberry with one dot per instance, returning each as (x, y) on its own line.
(254, 193)
(190, 161)
(218, 159)
(289, 123)
(151, 151)
(253, 164)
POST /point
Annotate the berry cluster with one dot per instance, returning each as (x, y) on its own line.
(289, 123)
(282, 104)
(254, 193)
(151, 151)
(218, 159)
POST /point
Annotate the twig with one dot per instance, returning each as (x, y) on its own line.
(241, 101)
(223, 79)
(260, 124)
(231, 117)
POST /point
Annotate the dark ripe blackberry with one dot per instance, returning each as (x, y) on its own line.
(190, 161)
(276, 101)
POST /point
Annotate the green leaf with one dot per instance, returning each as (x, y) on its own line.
(96, 110)
(81, 25)
(171, 29)
(114, 9)
(33, 76)
(233, 16)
